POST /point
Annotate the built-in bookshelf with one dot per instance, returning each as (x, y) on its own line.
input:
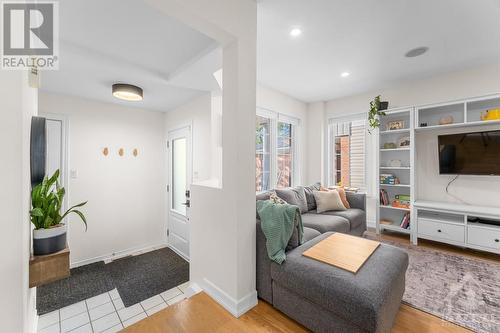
(395, 166)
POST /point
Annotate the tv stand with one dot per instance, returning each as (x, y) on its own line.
(452, 223)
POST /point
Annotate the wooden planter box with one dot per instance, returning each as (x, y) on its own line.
(49, 268)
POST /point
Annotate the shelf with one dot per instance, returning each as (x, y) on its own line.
(48, 268)
(404, 130)
(395, 149)
(395, 185)
(394, 227)
(394, 168)
(395, 208)
(458, 125)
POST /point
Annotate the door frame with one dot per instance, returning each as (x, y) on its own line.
(180, 127)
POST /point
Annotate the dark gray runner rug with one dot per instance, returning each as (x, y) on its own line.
(140, 277)
(458, 289)
(136, 277)
(85, 282)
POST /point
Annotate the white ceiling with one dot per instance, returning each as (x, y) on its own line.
(369, 38)
(105, 42)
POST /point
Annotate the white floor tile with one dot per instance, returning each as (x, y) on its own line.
(129, 312)
(54, 328)
(101, 311)
(151, 302)
(73, 310)
(114, 329)
(118, 304)
(134, 319)
(106, 322)
(114, 294)
(48, 319)
(176, 299)
(157, 308)
(171, 293)
(184, 286)
(98, 300)
(82, 329)
(74, 322)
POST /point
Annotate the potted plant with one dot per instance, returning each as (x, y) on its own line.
(47, 197)
(376, 107)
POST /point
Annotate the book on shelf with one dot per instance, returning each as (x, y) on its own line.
(384, 198)
(405, 221)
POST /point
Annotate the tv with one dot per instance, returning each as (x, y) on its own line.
(476, 153)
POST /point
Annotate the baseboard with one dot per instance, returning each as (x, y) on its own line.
(119, 254)
(35, 322)
(178, 252)
(235, 307)
(192, 290)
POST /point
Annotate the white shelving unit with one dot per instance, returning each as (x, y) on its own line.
(440, 221)
(403, 172)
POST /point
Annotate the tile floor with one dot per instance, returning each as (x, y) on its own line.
(106, 313)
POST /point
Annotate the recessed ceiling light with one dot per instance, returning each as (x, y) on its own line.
(127, 92)
(295, 32)
(418, 51)
(345, 74)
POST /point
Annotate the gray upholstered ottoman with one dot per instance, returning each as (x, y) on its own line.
(325, 298)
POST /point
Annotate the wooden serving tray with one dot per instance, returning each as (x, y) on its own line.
(343, 251)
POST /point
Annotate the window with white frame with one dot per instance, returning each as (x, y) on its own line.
(275, 150)
(347, 150)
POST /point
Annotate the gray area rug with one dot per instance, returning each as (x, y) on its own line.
(140, 277)
(136, 277)
(458, 289)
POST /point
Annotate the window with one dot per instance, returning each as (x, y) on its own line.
(347, 153)
(275, 151)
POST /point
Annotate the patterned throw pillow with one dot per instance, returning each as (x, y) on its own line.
(277, 200)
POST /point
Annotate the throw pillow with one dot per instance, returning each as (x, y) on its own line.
(277, 200)
(328, 200)
(343, 195)
(311, 202)
(294, 196)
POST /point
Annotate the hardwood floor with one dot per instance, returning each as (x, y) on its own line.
(202, 314)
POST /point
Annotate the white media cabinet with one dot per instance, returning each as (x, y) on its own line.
(438, 221)
(450, 223)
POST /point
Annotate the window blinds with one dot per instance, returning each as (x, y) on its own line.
(357, 154)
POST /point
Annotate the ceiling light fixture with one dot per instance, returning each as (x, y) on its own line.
(345, 74)
(418, 51)
(127, 92)
(295, 32)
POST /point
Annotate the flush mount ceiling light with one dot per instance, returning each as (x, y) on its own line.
(418, 51)
(127, 92)
(345, 74)
(295, 32)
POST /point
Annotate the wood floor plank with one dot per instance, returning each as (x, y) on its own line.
(202, 314)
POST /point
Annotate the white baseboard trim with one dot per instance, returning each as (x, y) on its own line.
(178, 252)
(192, 290)
(35, 322)
(235, 307)
(119, 254)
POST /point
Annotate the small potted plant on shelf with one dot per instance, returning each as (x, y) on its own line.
(376, 107)
(47, 197)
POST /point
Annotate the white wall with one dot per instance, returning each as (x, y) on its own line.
(462, 84)
(196, 113)
(125, 209)
(272, 100)
(18, 104)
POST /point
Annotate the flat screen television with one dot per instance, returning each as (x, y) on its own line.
(475, 153)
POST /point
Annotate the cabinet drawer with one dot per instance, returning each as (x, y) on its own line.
(484, 237)
(441, 230)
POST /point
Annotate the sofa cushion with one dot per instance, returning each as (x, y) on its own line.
(294, 196)
(328, 200)
(311, 202)
(309, 234)
(355, 216)
(360, 298)
(325, 223)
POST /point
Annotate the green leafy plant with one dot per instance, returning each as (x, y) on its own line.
(374, 113)
(46, 201)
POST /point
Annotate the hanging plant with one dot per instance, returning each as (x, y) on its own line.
(375, 113)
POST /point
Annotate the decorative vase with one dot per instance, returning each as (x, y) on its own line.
(47, 241)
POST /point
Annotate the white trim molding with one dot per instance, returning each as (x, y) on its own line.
(235, 307)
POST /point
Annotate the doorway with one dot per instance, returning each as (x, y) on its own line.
(179, 183)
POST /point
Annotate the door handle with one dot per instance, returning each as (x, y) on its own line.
(187, 203)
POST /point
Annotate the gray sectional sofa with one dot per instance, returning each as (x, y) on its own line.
(325, 298)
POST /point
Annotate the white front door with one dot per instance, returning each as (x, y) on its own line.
(180, 166)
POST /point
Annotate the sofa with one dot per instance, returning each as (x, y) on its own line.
(325, 298)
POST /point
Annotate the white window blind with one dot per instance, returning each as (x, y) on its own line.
(357, 158)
